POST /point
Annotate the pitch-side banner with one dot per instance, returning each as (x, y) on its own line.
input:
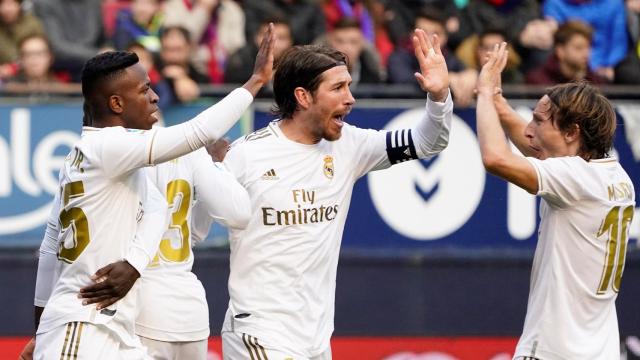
(448, 201)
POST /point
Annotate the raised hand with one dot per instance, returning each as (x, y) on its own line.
(263, 68)
(113, 282)
(433, 76)
(489, 80)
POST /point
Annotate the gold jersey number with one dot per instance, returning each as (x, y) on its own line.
(74, 220)
(616, 225)
(179, 196)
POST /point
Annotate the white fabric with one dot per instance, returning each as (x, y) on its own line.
(84, 341)
(571, 312)
(173, 306)
(237, 345)
(191, 350)
(283, 266)
(116, 196)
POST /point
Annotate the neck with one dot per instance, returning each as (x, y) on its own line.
(298, 130)
(107, 121)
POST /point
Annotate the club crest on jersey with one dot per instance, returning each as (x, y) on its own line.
(328, 166)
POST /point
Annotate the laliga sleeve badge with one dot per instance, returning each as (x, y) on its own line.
(328, 166)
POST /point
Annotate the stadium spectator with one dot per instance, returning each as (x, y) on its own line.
(402, 63)
(75, 30)
(176, 66)
(529, 34)
(474, 50)
(588, 201)
(570, 58)
(141, 23)
(399, 17)
(363, 61)
(240, 64)
(216, 27)
(15, 25)
(371, 17)
(283, 265)
(607, 18)
(305, 17)
(628, 70)
(35, 60)
(158, 83)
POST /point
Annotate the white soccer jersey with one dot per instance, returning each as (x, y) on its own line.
(101, 193)
(173, 306)
(100, 202)
(585, 214)
(283, 266)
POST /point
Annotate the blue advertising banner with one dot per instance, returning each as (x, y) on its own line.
(448, 201)
(34, 140)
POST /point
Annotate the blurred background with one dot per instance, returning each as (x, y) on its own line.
(436, 254)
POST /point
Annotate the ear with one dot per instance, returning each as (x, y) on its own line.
(559, 51)
(303, 97)
(116, 104)
(573, 134)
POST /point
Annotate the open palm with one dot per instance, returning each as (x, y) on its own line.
(434, 75)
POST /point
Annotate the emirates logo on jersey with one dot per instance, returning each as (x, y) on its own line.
(328, 166)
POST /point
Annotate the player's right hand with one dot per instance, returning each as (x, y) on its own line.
(113, 282)
(27, 352)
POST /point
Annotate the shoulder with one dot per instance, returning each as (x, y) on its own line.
(261, 135)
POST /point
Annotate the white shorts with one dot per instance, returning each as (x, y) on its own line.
(161, 350)
(80, 341)
(240, 346)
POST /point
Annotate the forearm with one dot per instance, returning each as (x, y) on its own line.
(150, 229)
(224, 199)
(491, 136)
(512, 123)
(207, 127)
(431, 135)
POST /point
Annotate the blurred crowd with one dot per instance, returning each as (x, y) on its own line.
(185, 43)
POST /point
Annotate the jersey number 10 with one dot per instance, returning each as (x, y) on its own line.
(617, 228)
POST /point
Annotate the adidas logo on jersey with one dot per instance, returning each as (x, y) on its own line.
(270, 175)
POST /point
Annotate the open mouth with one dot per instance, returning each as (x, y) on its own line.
(338, 120)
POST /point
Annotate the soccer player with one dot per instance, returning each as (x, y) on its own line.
(587, 205)
(299, 172)
(104, 193)
(173, 316)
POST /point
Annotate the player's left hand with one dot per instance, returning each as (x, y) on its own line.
(112, 283)
(27, 352)
(489, 79)
(433, 76)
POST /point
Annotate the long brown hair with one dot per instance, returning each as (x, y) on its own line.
(582, 104)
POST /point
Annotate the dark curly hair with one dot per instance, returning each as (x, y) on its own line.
(96, 72)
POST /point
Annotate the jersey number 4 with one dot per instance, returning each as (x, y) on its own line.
(616, 225)
(74, 220)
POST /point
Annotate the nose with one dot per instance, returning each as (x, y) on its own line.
(350, 100)
(528, 130)
(154, 97)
